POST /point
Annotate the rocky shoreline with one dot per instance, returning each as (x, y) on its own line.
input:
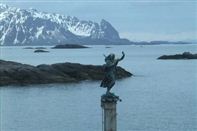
(13, 73)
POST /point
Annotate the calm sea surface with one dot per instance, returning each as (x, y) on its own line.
(162, 96)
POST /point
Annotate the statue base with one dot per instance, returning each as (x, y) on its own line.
(108, 104)
(110, 97)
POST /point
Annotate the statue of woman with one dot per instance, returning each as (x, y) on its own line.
(110, 71)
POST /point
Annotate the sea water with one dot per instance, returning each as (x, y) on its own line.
(161, 96)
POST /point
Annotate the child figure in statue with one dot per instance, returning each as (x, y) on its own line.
(110, 71)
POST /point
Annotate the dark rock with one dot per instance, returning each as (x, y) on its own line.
(107, 47)
(185, 55)
(13, 73)
(69, 46)
(40, 51)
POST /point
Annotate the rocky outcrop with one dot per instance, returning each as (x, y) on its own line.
(13, 73)
(69, 46)
(40, 51)
(185, 55)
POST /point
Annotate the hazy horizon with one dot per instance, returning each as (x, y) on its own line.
(134, 20)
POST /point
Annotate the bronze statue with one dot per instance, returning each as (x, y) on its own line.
(110, 71)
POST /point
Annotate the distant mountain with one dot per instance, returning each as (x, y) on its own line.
(32, 27)
(159, 42)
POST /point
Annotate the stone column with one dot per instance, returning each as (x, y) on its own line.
(108, 104)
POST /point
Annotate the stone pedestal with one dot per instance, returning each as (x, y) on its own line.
(108, 104)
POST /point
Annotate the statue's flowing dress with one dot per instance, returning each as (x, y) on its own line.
(109, 79)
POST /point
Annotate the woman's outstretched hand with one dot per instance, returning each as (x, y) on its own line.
(123, 53)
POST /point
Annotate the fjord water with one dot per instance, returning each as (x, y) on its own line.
(162, 95)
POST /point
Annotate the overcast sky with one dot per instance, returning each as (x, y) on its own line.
(139, 20)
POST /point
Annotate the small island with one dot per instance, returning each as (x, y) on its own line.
(185, 55)
(13, 73)
(40, 51)
(69, 46)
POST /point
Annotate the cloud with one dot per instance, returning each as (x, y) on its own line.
(141, 36)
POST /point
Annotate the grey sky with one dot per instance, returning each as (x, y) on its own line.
(135, 20)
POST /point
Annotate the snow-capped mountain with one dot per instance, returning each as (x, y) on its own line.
(32, 27)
